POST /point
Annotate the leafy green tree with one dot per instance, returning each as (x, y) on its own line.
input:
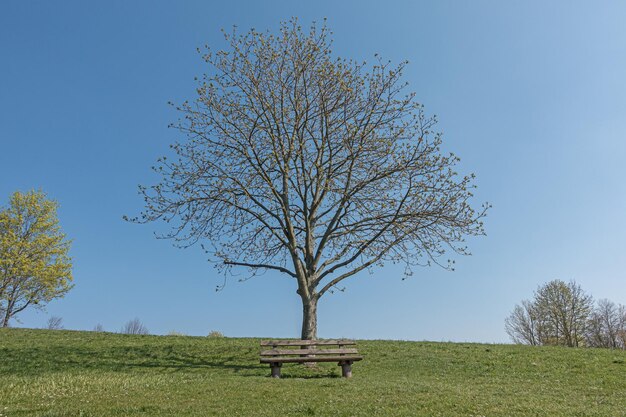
(35, 266)
(307, 164)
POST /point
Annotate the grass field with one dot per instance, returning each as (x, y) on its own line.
(66, 373)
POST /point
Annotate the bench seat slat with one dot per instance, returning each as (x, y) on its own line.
(277, 352)
(307, 342)
(295, 359)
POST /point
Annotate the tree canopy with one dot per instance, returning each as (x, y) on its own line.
(563, 314)
(311, 165)
(35, 266)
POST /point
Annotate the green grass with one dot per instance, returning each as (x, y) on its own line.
(66, 373)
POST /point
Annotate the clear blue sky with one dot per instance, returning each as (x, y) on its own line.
(531, 95)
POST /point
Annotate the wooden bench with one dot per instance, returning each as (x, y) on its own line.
(301, 351)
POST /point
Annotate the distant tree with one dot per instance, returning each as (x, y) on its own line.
(215, 334)
(563, 309)
(310, 165)
(55, 323)
(135, 326)
(607, 325)
(98, 328)
(558, 315)
(523, 325)
(35, 267)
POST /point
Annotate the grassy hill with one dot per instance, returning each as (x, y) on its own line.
(68, 373)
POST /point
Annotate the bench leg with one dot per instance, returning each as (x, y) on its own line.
(276, 369)
(346, 369)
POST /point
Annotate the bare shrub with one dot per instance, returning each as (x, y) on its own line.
(135, 326)
(55, 323)
(607, 325)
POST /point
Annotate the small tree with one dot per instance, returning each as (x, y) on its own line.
(35, 267)
(98, 328)
(523, 325)
(135, 326)
(563, 309)
(558, 315)
(310, 165)
(607, 325)
(55, 323)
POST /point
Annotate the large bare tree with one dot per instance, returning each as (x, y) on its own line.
(314, 166)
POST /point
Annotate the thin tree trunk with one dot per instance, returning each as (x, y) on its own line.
(5, 320)
(8, 313)
(309, 319)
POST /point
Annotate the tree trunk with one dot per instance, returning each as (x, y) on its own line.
(309, 319)
(7, 312)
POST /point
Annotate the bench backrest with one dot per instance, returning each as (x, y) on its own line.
(308, 347)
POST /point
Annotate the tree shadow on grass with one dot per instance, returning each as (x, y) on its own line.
(186, 363)
(38, 361)
(240, 360)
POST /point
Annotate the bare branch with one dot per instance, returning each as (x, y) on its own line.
(314, 166)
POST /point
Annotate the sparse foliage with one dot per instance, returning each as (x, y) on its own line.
(607, 326)
(55, 323)
(215, 333)
(523, 325)
(314, 166)
(135, 326)
(35, 266)
(563, 314)
(563, 310)
(98, 328)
